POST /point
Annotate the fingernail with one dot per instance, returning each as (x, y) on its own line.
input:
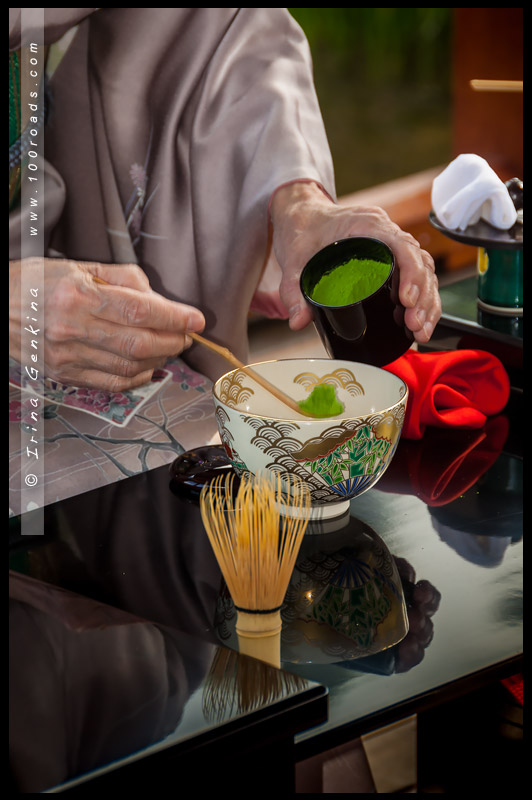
(293, 313)
(196, 323)
(142, 379)
(413, 294)
(420, 316)
(428, 328)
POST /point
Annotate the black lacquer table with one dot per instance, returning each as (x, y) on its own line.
(123, 665)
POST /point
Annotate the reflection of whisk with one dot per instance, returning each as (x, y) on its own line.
(256, 538)
(238, 685)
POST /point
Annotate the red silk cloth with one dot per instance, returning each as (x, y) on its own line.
(450, 389)
(444, 464)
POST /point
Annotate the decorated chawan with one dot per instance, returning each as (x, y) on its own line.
(337, 457)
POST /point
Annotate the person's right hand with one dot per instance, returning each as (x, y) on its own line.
(109, 335)
(422, 602)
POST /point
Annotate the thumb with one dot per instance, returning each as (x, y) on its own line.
(298, 310)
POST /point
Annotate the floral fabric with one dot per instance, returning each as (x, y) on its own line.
(83, 448)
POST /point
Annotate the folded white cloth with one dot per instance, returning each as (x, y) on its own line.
(467, 190)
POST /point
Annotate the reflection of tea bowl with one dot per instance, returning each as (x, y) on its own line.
(345, 599)
(344, 602)
(337, 457)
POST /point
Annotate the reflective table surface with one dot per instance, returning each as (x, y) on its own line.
(461, 311)
(122, 632)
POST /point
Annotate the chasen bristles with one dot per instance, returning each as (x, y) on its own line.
(256, 546)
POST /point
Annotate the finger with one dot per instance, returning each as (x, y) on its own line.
(422, 319)
(416, 267)
(405, 569)
(418, 290)
(426, 634)
(130, 275)
(423, 336)
(132, 308)
(416, 620)
(118, 365)
(427, 596)
(135, 344)
(94, 379)
(94, 336)
(300, 317)
(299, 311)
(67, 359)
(410, 652)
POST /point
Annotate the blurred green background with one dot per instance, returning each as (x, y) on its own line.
(383, 78)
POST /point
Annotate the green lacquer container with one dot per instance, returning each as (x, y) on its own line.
(499, 271)
(500, 280)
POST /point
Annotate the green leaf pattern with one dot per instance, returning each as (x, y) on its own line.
(362, 454)
(354, 612)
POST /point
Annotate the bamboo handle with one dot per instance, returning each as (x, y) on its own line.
(259, 636)
(270, 387)
(480, 85)
(266, 648)
(216, 348)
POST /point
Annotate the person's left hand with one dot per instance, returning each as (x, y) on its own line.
(305, 220)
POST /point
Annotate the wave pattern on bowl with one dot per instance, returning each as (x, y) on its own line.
(338, 458)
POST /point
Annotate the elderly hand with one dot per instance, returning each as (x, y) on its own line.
(422, 602)
(109, 337)
(304, 220)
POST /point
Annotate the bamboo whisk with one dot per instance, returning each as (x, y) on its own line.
(256, 547)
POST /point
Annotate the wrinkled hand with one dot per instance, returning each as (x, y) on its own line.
(422, 602)
(109, 337)
(305, 220)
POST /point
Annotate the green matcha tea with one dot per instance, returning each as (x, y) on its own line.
(350, 282)
(322, 402)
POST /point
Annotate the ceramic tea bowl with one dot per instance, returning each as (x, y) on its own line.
(337, 457)
(371, 329)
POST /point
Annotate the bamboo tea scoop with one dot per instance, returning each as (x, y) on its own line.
(270, 387)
